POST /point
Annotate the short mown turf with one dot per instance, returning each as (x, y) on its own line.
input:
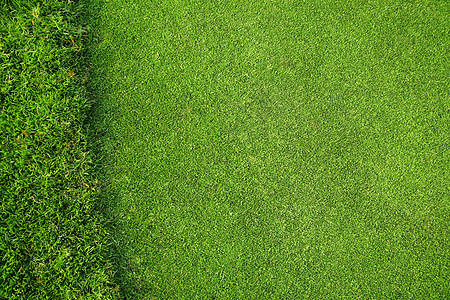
(278, 149)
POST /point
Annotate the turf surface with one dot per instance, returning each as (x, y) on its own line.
(278, 149)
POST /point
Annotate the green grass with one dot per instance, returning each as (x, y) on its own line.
(277, 149)
(235, 150)
(53, 241)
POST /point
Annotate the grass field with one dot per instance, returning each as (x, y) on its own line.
(53, 238)
(276, 149)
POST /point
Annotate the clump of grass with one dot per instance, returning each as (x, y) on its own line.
(53, 240)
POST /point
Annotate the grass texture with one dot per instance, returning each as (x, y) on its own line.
(277, 149)
(52, 239)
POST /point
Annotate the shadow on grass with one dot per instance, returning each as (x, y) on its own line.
(102, 145)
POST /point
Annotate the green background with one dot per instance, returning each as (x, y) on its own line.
(277, 149)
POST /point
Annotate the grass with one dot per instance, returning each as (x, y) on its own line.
(54, 242)
(226, 150)
(276, 149)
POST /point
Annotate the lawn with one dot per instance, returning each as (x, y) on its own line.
(275, 149)
(53, 236)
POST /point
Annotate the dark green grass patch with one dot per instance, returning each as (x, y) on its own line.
(278, 149)
(52, 240)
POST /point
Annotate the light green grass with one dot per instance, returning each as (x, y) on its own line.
(53, 240)
(277, 149)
